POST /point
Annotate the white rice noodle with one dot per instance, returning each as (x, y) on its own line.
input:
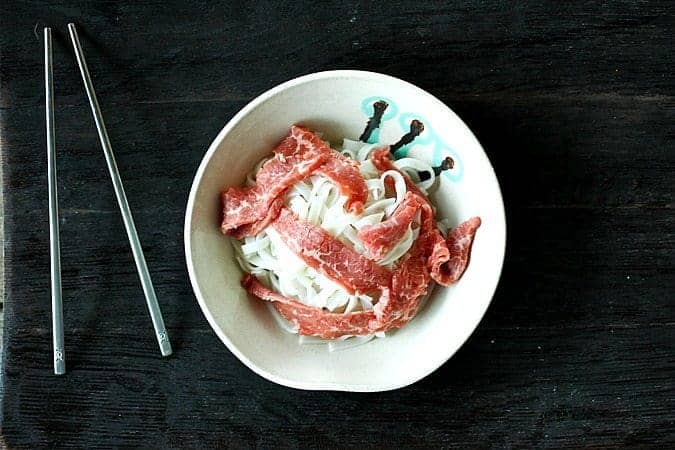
(399, 187)
(444, 226)
(412, 167)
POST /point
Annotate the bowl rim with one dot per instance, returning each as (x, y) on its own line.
(288, 382)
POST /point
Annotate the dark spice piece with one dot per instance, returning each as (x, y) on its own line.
(374, 122)
(447, 164)
(416, 127)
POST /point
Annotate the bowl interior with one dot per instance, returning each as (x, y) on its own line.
(338, 104)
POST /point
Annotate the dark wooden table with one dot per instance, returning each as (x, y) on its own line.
(574, 104)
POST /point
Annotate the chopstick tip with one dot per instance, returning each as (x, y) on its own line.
(165, 348)
(59, 367)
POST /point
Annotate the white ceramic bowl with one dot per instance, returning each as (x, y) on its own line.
(338, 103)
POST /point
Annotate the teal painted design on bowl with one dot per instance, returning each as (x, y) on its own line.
(428, 139)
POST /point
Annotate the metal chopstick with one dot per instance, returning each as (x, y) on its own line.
(137, 250)
(54, 245)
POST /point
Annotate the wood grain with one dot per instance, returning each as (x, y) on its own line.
(574, 104)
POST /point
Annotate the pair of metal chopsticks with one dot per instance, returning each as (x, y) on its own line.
(142, 268)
